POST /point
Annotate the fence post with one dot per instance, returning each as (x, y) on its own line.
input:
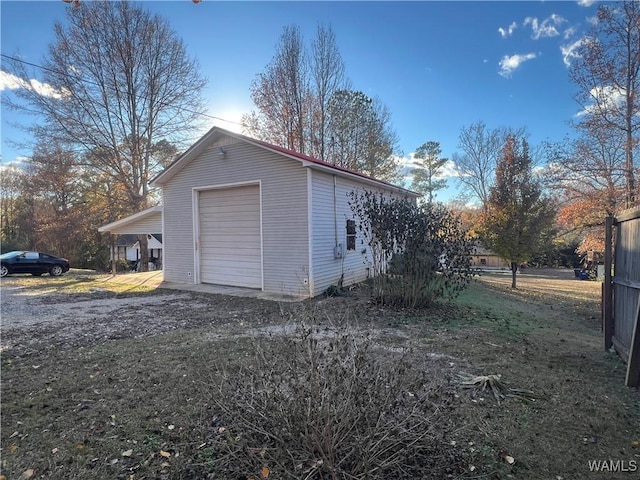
(633, 364)
(607, 297)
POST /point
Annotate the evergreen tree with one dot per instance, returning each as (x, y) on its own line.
(429, 165)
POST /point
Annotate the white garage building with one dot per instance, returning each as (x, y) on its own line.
(241, 212)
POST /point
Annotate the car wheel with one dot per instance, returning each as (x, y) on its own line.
(4, 271)
(56, 271)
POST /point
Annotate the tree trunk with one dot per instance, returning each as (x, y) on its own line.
(514, 270)
(113, 253)
(143, 261)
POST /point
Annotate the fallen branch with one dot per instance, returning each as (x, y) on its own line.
(499, 390)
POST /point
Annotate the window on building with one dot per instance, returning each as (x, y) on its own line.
(483, 261)
(351, 235)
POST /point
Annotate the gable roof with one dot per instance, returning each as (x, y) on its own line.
(307, 161)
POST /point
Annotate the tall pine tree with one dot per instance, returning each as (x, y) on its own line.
(429, 166)
(518, 217)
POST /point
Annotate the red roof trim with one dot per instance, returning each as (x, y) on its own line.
(307, 158)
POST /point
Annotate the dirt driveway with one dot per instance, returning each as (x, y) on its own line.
(79, 309)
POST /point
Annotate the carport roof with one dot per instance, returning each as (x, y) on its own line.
(148, 221)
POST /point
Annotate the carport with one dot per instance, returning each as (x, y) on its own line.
(143, 223)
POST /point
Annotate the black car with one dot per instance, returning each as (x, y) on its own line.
(35, 263)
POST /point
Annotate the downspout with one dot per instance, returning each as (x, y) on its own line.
(335, 233)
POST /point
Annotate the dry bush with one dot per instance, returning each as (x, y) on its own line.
(419, 254)
(325, 403)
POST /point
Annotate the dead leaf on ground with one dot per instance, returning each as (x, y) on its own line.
(127, 453)
(27, 474)
(509, 459)
(265, 472)
(165, 454)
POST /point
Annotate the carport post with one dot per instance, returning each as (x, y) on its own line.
(113, 254)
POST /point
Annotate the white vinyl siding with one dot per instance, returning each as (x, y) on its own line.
(285, 248)
(329, 230)
(230, 243)
(148, 221)
(150, 225)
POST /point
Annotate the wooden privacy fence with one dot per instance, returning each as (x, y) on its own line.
(621, 290)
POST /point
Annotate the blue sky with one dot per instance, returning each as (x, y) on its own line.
(438, 66)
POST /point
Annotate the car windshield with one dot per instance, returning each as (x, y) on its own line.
(4, 256)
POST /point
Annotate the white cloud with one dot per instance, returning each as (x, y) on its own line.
(507, 32)
(509, 64)
(16, 165)
(586, 3)
(407, 164)
(569, 32)
(569, 52)
(545, 29)
(8, 81)
(606, 98)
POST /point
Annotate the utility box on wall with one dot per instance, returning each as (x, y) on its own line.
(337, 251)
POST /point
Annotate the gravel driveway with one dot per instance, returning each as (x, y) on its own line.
(35, 315)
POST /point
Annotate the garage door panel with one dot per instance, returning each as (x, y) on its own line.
(227, 241)
(213, 257)
(230, 244)
(236, 269)
(243, 226)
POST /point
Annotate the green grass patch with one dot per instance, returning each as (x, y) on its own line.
(78, 284)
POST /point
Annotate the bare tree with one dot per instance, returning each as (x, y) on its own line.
(304, 103)
(282, 95)
(587, 177)
(328, 76)
(607, 74)
(120, 82)
(481, 148)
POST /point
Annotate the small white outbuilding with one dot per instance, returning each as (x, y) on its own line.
(238, 211)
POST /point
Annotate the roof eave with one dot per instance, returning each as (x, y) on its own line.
(131, 218)
(360, 178)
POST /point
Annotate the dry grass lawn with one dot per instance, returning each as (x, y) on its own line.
(131, 392)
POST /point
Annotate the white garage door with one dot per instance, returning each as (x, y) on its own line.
(230, 247)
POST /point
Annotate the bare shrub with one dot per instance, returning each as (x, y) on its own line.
(418, 253)
(324, 403)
